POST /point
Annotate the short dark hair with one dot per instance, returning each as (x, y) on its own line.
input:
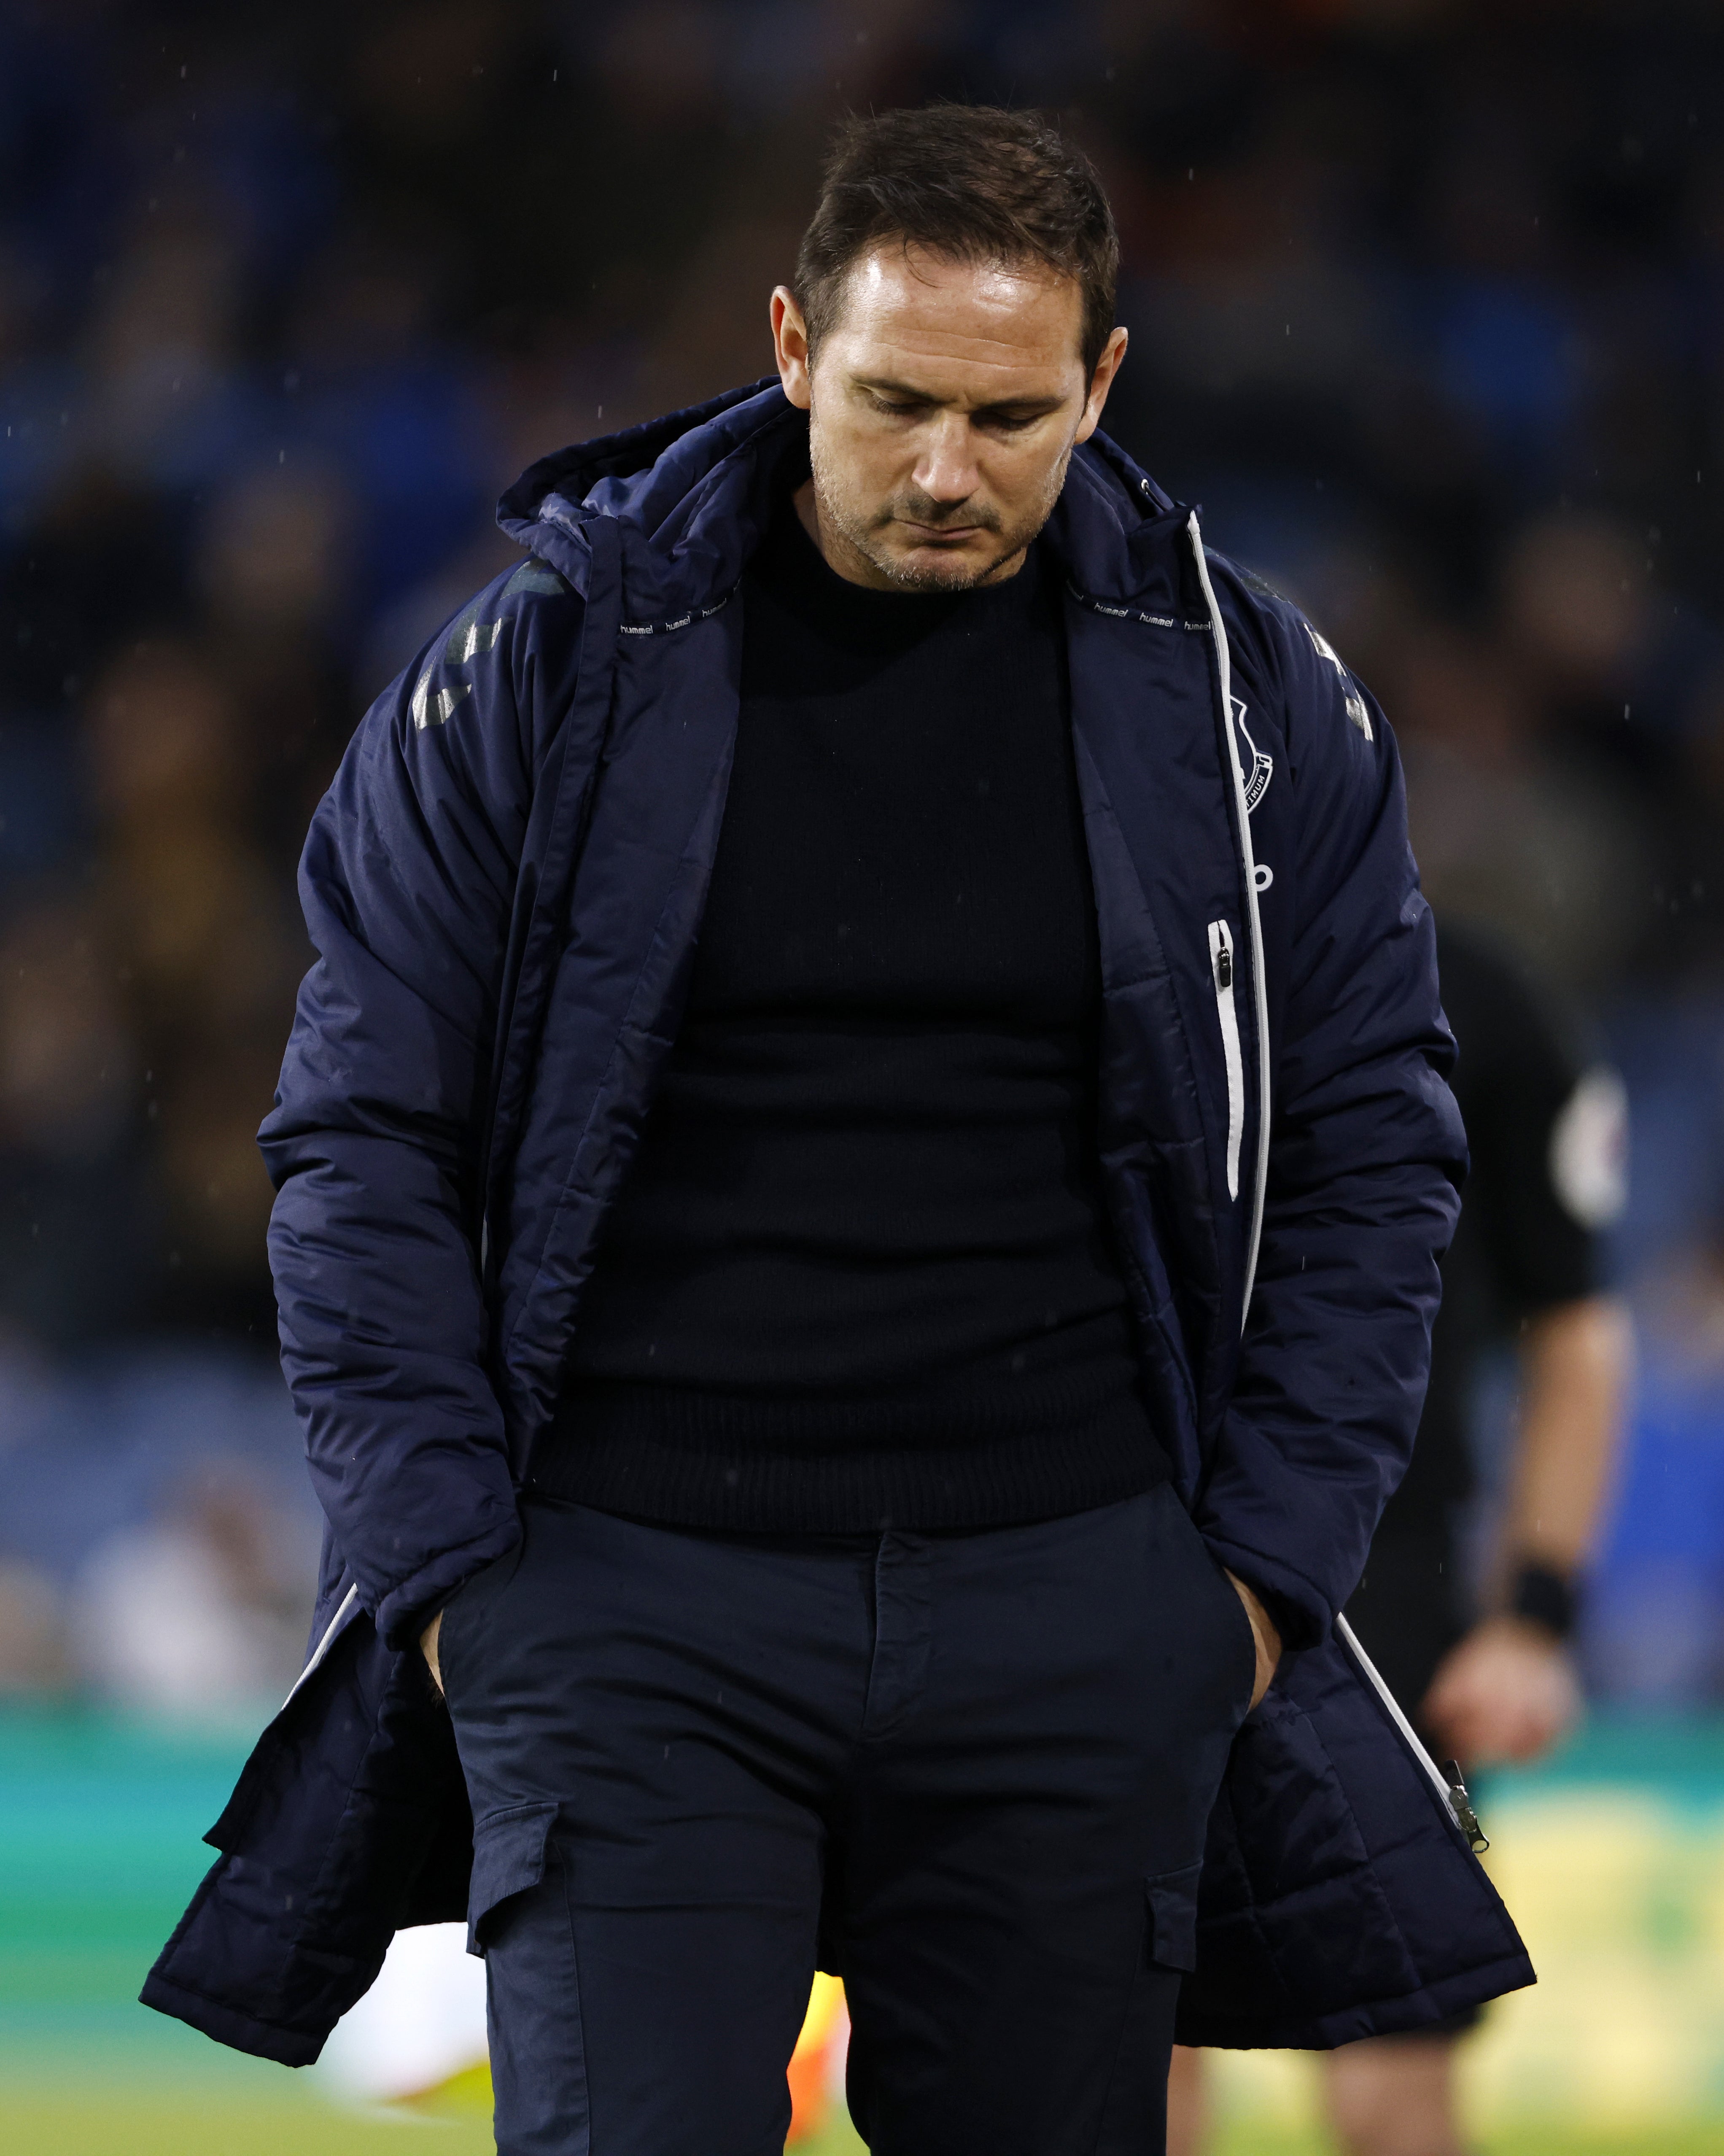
(971, 182)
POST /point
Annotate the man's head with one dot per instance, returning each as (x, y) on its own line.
(951, 336)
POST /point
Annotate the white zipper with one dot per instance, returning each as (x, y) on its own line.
(1221, 972)
(335, 1625)
(1453, 1793)
(1254, 918)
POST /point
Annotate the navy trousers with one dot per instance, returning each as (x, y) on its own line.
(970, 1772)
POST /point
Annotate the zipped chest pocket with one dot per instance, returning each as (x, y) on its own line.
(1221, 972)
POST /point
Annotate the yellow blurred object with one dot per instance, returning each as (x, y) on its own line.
(813, 2064)
(467, 2094)
(813, 2073)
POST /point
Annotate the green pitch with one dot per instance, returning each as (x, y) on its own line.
(149, 2126)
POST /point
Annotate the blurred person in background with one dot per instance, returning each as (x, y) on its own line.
(197, 1613)
(1487, 1671)
(1507, 828)
(828, 1429)
(270, 567)
(197, 928)
(35, 1660)
(73, 1246)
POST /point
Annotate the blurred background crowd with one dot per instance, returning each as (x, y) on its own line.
(1427, 307)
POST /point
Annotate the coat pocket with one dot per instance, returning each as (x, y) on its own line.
(1222, 970)
(1171, 1933)
(508, 1858)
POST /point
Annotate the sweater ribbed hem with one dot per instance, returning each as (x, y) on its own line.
(691, 1465)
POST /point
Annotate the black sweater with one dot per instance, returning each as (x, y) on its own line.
(859, 1270)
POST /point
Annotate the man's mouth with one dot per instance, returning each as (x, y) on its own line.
(933, 535)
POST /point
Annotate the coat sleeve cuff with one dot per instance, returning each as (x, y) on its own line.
(1301, 1613)
(406, 1610)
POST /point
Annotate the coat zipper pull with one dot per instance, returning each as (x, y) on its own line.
(1465, 1818)
(1221, 964)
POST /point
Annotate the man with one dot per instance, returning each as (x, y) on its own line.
(775, 1164)
(1483, 1685)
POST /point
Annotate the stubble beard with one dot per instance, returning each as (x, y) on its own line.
(865, 533)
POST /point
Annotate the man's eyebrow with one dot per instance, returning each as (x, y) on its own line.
(883, 386)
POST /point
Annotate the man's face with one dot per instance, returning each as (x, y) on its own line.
(943, 406)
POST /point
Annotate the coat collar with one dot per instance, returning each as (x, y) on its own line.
(695, 491)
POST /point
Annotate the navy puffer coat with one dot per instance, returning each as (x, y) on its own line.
(505, 883)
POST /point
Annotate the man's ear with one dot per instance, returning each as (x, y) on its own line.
(1101, 381)
(790, 346)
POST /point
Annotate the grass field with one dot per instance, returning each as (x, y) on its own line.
(152, 2126)
(1614, 1864)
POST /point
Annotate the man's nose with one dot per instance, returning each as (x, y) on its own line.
(946, 469)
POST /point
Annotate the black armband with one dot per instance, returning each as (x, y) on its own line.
(1545, 1597)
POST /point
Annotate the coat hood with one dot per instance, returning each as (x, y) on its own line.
(693, 493)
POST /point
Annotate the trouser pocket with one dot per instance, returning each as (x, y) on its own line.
(1233, 1642)
(1171, 1935)
(519, 1919)
(465, 1612)
(509, 1850)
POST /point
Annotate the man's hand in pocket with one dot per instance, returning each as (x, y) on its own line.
(1268, 1640)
